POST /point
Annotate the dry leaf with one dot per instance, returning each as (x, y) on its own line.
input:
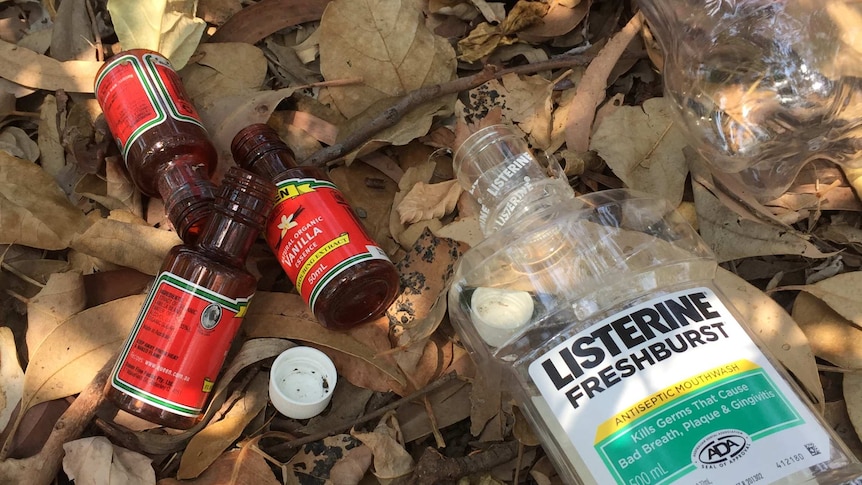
(837, 418)
(481, 42)
(287, 316)
(62, 297)
(71, 355)
(387, 45)
(72, 36)
(370, 201)
(853, 398)
(429, 201)
(732, 237)
(251, 352)
(832, 337)
(591, 89)
(33, 210)
(412, 176)
(131, 245)
(221, 70)
(351, 468)
(17, 143)
(465, 230)
(562, 17)
(391, 460)
(167, 27)
(227, 116)
(53, 155)
(651, 159)
(209, 443)
(25, 67)
(775, 328)
(841, 292)
(11, 377)
(314, 463)
(96, 461)
(426, 272)
(450, 404)
(236, 467)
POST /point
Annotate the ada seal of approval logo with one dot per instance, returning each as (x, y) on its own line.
(720, 448)
(210, 316)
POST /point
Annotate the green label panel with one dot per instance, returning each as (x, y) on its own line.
(664, 444)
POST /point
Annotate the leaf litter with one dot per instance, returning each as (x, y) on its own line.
(379, 94)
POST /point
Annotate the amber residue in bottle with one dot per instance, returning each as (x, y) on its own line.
(341, 273)
(169, 363)
(166, 148)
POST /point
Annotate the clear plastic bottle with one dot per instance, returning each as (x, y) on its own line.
(170, 361)
(763, 86)
(164, 144)
(602, 315)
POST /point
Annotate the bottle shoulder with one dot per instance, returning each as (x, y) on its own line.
(203, 268)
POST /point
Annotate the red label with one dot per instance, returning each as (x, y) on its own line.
(178, 345)
(315, 235)
(138, 92)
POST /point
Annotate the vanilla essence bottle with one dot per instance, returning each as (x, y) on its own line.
(603, 318)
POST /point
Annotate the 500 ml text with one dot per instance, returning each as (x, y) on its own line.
(599, 358)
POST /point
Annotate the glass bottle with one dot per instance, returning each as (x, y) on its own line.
(166, 148)
(175, 351)
(343, 275)
(761, 86)
(602, 316)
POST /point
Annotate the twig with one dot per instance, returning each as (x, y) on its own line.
(294, 443)
(100, 53)
(42, 468)
(435, 468)
(392, 115)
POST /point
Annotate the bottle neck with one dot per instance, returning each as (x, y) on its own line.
(239, 213)
(258, 148)
(496, 166)
(188, 195)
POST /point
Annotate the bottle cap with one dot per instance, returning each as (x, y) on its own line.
(499, 313)
(301, 382)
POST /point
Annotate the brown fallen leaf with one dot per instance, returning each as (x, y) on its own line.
(832, 337)
(27, 68)
(227, 116)
(391, 460)
(591, 89)
(97, 460)
(314, 463)
(209, 443)
(562, 17)
(33, 210)
(853, 398)
(62, 297)
(652, 159)
(841, 292)
(776, 329)
(429, 201)
(221, 70)
(426, 272)
(134, 246)
(73, 353)
(251, 352)
(255, 22)
(384, 43)
(287, 316)
(733, 238)
(351, 468)
(244, 466)
(11, 377)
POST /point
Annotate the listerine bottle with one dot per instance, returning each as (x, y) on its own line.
(602, 314)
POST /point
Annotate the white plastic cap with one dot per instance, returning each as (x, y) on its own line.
(301, 382)
(500, 313)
